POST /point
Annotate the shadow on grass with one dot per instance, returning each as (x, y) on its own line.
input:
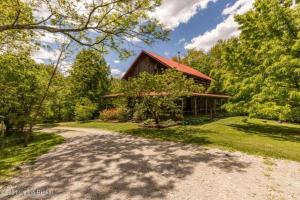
(15, 154)
(282, 133)
(176, 134)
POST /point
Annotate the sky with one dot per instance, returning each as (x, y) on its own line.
(197, 24)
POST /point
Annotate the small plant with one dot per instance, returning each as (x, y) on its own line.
(111, 114)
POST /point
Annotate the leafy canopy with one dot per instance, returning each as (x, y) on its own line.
(22, 82)
(96, 24)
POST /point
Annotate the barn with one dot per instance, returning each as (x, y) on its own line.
(197, 104)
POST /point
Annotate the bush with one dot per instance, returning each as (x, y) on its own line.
(139, 116)
(84, 109)
(195, 121)
(119, 114)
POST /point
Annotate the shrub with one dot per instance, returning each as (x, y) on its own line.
(139, 116)
(119, 114)
(149, 122)
(163, 124)
(84, 109)
(195, 121)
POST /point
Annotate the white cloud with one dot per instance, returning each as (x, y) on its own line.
(116, 61)
(43, 55)
(174, 12)
(225, 30)
(133, 39)
(115, 72)
(47, 37)
(166, 53)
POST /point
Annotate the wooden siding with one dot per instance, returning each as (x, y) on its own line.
(145, 64)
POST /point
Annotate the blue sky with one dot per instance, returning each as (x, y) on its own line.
(197, 24)
(206, 19)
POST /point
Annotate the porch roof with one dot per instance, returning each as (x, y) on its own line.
(219, 96)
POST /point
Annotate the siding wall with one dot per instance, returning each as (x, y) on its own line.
(145, 64)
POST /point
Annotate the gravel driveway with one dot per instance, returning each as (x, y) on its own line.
(96, 164)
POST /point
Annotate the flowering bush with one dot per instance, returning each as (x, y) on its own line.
(119, 114)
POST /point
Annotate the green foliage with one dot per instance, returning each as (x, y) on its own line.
(113, 22)
(15, 40)
(260, 69)
(84, 109)
(209, 63)
(195, 121)
(115, 86)
(22, 82)
(264, 63)
(89, 77)
(158, 95)
(58, 105)
(114, 114)
(139, 114)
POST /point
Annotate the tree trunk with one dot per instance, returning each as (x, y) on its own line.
(27, 138)
(8, 127)
(33, 121)
(157, 120)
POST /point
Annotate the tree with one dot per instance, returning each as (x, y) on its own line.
(159, 94)
(22, 82)
(96, 24)
(58, 105)
(84, 109)
(261, 67)
(89, 77)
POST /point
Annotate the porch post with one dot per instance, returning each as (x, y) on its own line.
(215, 112)
(221, 108)
(205, 105)
(196, 106)
(182, 106)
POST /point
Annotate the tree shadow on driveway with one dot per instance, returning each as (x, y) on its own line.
(115, 166)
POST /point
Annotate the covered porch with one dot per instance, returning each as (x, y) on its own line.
(203, 104)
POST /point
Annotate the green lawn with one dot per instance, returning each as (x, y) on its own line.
(13, 153)
(253, 136)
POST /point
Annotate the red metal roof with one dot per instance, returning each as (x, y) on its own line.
(174, 65)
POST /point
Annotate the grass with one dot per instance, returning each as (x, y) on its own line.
(253, 136)
(13, 153)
